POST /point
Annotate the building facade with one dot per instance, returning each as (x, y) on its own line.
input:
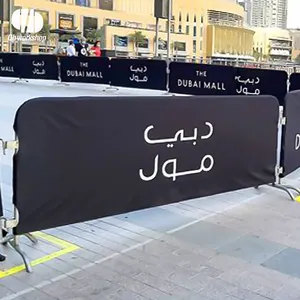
(196, 26)
(268, 13)
(273, 44)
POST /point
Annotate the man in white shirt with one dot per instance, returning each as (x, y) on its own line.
(71, 49)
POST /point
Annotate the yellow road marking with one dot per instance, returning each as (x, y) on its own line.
(297, 199)
(66, 248)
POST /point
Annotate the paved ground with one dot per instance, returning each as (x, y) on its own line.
(242, 245)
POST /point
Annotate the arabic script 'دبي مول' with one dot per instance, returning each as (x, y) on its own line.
(179, 137)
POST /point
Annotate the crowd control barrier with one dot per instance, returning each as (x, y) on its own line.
(2, 257)
(290, 154)
(294, 82)
(176, 78)
(139, 73)
(85, 69)
(197, 79)
(161, 150)
(76, 163)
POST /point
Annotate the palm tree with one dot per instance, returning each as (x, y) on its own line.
(66, 37)
(137, 38)
(256, 54)
(94, 35)
(49, 36)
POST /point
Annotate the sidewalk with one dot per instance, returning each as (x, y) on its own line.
(242, 245)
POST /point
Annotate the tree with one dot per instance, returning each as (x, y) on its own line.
(67, 37)
(257, 55)
(94, 35)
(49, 36)
(137, 38)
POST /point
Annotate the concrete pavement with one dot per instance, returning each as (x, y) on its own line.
(242, 245)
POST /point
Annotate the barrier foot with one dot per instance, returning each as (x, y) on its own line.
(20, 79)
(291, 188)
(14, 243)
(33, 239)
(283, 188)
(7, 239)
(61, 83)
(110, 88)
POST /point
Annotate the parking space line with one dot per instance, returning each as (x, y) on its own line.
(66, 248)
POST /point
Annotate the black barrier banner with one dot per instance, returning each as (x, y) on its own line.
(290, 154)
(294, 82)
(139, 73)
(9, 65)
(1, 205)
(261, 82)
(86, 158)
(85, 69)
(42, 66)
(200, 79)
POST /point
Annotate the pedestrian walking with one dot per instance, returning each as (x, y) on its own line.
(96, 50)
(71, 49)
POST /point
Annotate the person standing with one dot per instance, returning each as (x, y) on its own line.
(71, 49)
(96, 50)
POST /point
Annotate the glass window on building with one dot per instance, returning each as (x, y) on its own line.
(45, 15)
(83, 2)
(89, 24)
(195, 31)
(194, 46)
(59, 1)
(202, 20)
(106, 4)
(201, 45)
(65, 21)
(195, 19)
(201, 31)
(179, 28)
(121, 41)
(179, 17)
(180, 46)
(162, 45)
(144, 44)
(187, 17)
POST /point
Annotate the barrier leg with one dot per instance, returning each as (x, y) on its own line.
(20, 79)
(283, 188)
(110, 88)
(33, 239)
(15, 244)
(291, 188)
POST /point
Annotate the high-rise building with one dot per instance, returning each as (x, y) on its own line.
(269, 13)
(261, 13)
(279, 13)
(247, 5)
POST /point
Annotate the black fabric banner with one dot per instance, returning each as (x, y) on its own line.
(139, 73)
(9, 66)
(294, 82)
(290, 154)
(198, 79)
(1, 204)
(261, 82)
(42, 66)
(85, 69)
(85, 158)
